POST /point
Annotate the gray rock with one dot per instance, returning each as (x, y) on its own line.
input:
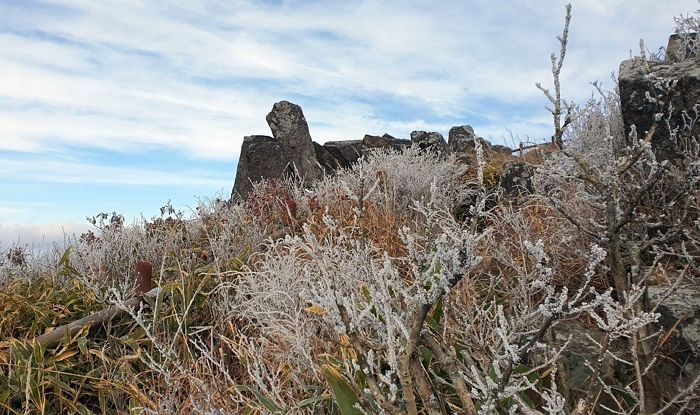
(683, 305)
(386, 141)
(261, 157)
(289, 127)
(580, 349)
(634, 82)
(346, 152)
(375, 141)
(516, 178)
(429, 140)
(497, 148)
(681, 47)
(329, 160)
(680, 318)
(461, 138)
(290, 152)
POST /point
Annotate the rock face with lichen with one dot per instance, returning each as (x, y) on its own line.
(261, 158)
(637, 94)
(289, 128)
(289, 152)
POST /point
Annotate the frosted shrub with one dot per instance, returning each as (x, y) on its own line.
(612, 188)
(227, 231)
(688, 29)
(107, 258)
(397, 178)
(28, 264)
(14, 264)
(219, 234)
(340, 281)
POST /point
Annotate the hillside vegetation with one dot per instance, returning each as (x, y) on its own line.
(407, 283)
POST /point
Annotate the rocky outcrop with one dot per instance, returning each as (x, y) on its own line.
(680, 313)
(289, 127)
(291, 152)
(680, 319)
(328, 159)
(682, 47)
(386, 141)
(461, 138)
(636, 80)
(261, 157)
(429, 140)
(346, 152)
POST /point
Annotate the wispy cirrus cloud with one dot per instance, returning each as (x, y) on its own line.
(185, 81)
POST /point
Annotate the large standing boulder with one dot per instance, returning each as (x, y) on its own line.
(289, 152)
(461, 138)
(289, 127)
(636, 79)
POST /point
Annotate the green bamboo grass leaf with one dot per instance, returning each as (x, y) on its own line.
(65, 258)
(344, 395)
(310, 401)
(629, 399)
(264, 401)
(426, 355)
(433, 318)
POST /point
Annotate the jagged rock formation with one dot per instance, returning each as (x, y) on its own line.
(289, 127)
(429, 140)
(261, 157)
(292, 152)
(637, 78)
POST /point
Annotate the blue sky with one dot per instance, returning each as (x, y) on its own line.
(120, 106)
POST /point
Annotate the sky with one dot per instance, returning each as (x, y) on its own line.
(120, 106)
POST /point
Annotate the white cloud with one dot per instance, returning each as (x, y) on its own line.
(71, 171)
(195, 77)
(39, 237)
(125, 82)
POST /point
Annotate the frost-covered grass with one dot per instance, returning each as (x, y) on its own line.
(367, 293)
(299, 300)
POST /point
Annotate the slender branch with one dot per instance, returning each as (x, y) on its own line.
(450, 365)
(525, 350)
(405, 359)
(356, 344)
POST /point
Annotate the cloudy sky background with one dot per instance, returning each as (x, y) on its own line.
(119, 106)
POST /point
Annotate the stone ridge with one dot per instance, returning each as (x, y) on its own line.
(291, 152)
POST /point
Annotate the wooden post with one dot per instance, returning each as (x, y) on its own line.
(144, 277)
